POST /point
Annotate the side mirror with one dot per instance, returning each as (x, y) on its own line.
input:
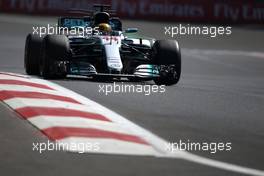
(131, 30)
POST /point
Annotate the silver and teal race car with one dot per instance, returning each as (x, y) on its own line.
(96, 46)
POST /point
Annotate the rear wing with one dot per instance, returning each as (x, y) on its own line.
(96, 8)
(87, 17)
(103, 8)
(69, 22)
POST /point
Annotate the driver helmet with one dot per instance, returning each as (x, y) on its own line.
(104, 27)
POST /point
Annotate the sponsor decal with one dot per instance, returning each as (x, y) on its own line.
(171, 10)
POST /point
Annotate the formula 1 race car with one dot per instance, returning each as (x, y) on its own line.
(96, 46)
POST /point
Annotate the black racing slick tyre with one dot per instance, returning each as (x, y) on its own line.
(55, 51)
(32, 54)
(167, 54)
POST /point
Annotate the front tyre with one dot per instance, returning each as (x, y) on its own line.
(166, 54)
(55, 51)
(32, 54)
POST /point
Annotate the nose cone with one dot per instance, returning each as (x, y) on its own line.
(113, 57)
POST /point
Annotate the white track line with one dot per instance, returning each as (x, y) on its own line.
(159, 143)
(222, 165)
(225, 52)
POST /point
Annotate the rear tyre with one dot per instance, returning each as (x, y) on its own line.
(55, 51)
(166, 54)
(32, 54)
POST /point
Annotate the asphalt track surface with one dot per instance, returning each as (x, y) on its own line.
(220, 98)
